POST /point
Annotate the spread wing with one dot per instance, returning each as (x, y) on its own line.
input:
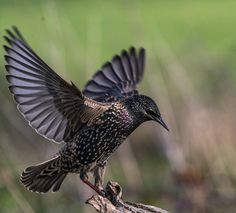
(117, 79)
(53, 107)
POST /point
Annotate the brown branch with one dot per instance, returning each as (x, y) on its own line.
(112, 202)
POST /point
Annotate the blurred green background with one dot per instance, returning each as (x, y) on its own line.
(190, 72)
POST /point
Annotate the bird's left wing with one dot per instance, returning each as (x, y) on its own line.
(53, 107)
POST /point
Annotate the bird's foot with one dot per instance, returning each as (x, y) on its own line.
(100, 190)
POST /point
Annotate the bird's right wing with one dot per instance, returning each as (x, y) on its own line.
(117, 79)
(53, 107)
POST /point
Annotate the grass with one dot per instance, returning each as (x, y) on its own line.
(110, 26)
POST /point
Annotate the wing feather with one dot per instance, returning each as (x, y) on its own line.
(117, 79)
(53, 107)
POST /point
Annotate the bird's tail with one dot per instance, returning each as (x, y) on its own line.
(44, 176)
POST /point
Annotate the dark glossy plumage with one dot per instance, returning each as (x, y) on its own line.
(92, 123)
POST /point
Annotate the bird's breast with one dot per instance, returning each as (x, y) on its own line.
(100, 140)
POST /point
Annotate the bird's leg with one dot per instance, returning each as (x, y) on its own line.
(99, 176)
(85, 179)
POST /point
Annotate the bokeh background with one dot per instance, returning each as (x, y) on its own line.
(190, 72)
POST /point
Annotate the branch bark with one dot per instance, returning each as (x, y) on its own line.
(112, 202)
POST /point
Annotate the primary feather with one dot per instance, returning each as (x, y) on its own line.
(53, 107)
(117, 79)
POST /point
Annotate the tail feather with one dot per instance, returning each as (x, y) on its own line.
(44, 176)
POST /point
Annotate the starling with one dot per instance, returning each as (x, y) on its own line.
(92, 123)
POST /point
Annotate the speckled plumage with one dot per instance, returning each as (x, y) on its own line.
(92, 123)
(96, 142)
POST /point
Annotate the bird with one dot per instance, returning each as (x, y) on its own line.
(91, 123)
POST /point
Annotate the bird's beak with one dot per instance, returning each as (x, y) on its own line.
(160, 121)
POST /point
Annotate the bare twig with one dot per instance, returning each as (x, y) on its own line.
(112, 202)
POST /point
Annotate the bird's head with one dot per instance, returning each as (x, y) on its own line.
(145, 109)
